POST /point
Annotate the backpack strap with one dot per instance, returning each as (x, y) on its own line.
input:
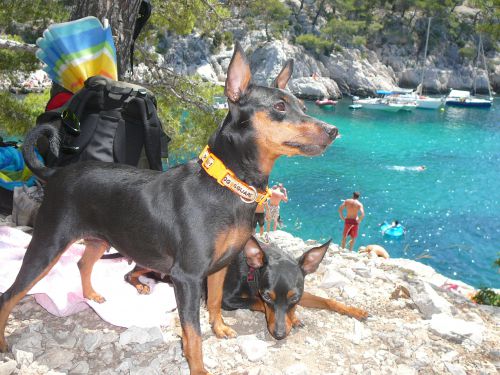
(152, 129)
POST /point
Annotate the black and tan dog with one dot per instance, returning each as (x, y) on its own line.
(278, 287)
(275, 289)
(188, 222)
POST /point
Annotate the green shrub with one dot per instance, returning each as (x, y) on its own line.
(228, 38)
(314, 43)
(467, 53)
(17, 60)
(359, 40)
(486, 296)
(217, 41)
(18, 115)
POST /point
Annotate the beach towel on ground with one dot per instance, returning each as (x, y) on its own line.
(60, 292)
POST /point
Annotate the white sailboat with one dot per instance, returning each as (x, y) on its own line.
(391, 101)
(462, 98)
(422, 101)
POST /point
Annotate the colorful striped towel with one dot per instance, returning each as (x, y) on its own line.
(74, 51)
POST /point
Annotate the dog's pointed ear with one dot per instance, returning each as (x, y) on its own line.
(254, 253)
(285, 74)
(310, 260)
(238, 75)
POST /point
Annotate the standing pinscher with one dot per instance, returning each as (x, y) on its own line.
(159, 220)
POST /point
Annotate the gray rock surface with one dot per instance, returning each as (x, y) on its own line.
(395, 339)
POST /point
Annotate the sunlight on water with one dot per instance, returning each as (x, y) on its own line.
(450, 209)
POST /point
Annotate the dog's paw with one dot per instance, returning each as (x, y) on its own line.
(143, 288)
(297, 323)
(359, 314)
(223, 331)
(96, 297)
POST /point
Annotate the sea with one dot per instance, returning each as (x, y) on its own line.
(450, 210)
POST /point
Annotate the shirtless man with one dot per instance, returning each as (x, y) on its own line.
(374, 250)
(351, 221)
(259, 218)
(273, 208)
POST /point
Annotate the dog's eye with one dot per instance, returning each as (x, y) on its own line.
(267, 297)
(280, 106)
(294, 299)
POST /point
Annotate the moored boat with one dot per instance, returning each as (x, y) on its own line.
(462, 98)
(388, 103)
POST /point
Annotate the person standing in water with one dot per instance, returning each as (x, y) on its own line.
(351, 221)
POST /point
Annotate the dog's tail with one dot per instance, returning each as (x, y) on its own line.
(30, 157)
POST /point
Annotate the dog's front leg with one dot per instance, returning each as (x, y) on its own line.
(188, 295)
(310, 300)
(215, 286)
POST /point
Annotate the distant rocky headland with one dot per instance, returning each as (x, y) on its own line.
(352, 71)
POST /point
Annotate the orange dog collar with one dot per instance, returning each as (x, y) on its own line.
(225, 177)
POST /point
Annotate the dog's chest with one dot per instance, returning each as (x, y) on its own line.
(229, 241)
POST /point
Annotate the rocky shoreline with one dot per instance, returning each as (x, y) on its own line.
(420, 323)
(352, 71)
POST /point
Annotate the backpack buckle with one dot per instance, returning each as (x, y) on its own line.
(71, 122)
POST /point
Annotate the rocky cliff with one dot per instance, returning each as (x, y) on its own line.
(351, 71)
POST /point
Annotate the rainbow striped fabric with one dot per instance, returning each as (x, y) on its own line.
(74, 51)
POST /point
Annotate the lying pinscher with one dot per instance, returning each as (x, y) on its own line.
(274, 289)
(278, 287)
(188, 222)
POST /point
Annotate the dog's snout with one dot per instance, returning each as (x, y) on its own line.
(332, 131)
(279, 334)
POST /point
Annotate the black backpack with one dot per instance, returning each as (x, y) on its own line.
(110, 121)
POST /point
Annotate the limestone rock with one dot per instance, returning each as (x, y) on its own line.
(253, 348)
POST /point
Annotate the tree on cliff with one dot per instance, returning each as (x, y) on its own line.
(176, 94)
(273, 13)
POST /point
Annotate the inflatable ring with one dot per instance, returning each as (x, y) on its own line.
(393, 232)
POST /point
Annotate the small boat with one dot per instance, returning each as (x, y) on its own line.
(462, 98)
(325, 102)
(421, 101)
(425, 102)
(390, 231)
(390, 104)
(355, 106)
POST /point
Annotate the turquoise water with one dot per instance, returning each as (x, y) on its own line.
(451, 209)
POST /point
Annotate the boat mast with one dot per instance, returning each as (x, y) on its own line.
(421, 86)
(481, 49)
